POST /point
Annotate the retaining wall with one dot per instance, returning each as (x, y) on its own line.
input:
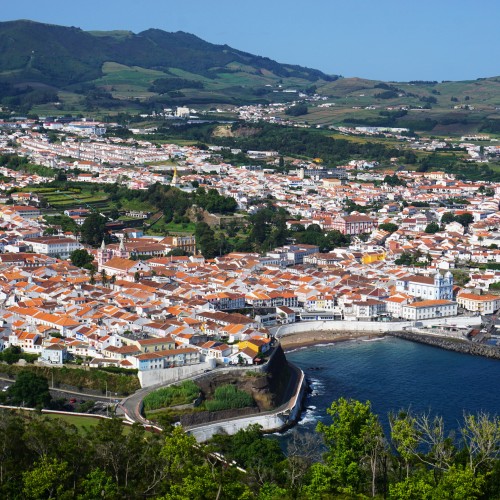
(274, 420)
(171, 375)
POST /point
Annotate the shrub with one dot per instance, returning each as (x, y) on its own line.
(227, 397)
(184, 393)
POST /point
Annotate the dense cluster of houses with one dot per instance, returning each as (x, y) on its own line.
(158, 312)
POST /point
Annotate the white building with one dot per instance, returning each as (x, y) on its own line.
(53, 246)
(182, 112)
(427, 287)
(483, 304)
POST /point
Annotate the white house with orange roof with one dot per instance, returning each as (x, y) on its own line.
(429, 309)
(483, 304)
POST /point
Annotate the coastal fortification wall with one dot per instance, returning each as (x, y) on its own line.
(270, 421)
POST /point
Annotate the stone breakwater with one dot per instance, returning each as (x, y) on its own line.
(457, 345)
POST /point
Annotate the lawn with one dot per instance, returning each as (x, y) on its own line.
(161, 228)
(83, 424)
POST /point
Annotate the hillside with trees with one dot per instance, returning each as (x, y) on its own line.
(348, 456)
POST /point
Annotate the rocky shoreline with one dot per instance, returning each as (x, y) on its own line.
(457, 345)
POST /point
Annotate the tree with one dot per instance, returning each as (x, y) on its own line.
(297, 110)
(98, 484)
(447, 217)
(405, 437)
(93, 229)
(47, 479)
(460, 483)
(465, 219)
(259, 456)
(205, 240)
(177, 252)
(80, 258)
(393, 180)
(354, 434)
(481, 435)
(389, 227)
(30, 390)
(432, 228)
(114, 214)
(11, 354)
(302, 451)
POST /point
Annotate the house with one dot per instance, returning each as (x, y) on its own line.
(429, 309)
(54, 354)
(215, 350)
(166, 359)
(244, 357)
(155, 344)
(54, 246)
(118, 266)
(368, 309)
(256, 345)
(353, 224)
(286, 315)
(483, 304)
(394, 304)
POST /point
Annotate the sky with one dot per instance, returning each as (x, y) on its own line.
(397, 40)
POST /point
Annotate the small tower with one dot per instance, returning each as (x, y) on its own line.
(103, 255)
(122, 251)
(175, 179)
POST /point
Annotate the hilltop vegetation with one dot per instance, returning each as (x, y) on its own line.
(38, 60)
(56, 70)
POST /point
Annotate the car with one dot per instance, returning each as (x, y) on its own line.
(72, 400)
(5, 388)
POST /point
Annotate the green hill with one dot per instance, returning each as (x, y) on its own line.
(38, 61)
(48, 69)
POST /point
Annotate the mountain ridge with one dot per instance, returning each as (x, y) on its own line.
(52, 69)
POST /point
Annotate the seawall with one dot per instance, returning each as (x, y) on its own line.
(311, 327)
(451, 344)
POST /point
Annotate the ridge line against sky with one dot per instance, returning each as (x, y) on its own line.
(385, 40)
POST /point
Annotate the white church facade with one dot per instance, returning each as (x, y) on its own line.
(437, 287)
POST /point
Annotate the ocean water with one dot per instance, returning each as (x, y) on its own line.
(395, 374)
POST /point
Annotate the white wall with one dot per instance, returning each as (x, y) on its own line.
(169, 375)
(369, 326)
(269, 421)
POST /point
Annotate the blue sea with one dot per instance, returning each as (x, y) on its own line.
(396, 374)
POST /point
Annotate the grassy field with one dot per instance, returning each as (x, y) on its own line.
(63, 199)
(160, 228)
(83, 424)
(125, 82)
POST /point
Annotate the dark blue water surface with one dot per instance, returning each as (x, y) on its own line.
(395, 374)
